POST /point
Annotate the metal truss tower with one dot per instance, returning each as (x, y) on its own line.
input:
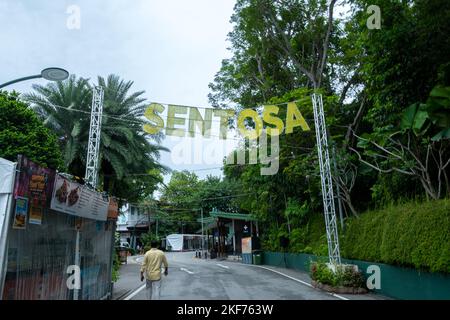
(94, 137)
(326, 180)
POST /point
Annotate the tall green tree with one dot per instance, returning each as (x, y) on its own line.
(22, 132)
(406, 58)
(276, 46)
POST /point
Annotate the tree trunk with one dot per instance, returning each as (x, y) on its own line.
(287, 215)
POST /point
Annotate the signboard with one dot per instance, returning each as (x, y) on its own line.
(113, 209)
(246, 228)
(35, 183)
(247, 245)
(293, 119)
(78, 200)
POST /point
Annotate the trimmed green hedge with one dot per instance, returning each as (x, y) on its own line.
(411, 234)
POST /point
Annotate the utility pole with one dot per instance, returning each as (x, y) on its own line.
(92, 159)
(334, 255)
(203, 239)
(94, 137)
(341, 216)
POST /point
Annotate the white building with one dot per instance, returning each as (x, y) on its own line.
(132, 223)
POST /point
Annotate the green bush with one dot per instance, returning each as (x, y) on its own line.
(343, 277)
(321, 273)
(351, 278)
(412, 234)
(116, 267)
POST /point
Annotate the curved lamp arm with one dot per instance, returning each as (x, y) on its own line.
(20, 79)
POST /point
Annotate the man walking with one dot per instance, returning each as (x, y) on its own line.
(151, 267)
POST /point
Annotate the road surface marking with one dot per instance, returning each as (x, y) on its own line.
(338, 296)
(186, 270)
(221, 265)
(302, 282)
(135, 293)
(285, 275)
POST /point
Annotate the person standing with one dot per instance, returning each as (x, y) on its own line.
(151, 271)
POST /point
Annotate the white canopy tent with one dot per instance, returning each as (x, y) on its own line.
(7, 176)
(180, 242)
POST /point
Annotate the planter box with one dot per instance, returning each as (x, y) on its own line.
(342, 290)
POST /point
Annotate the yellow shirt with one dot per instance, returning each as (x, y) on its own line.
(153, 259)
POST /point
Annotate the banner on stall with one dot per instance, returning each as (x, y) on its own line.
(20, 213)
(36, 184)
(78, 200)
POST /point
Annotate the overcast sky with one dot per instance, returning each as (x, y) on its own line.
(171, 49)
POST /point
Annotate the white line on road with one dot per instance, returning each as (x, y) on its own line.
(222, 266)
(302, 282)
(131, 296)
(292, 278)
(338, 296)
(186, 270)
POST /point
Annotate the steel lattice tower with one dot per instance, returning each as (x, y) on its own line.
(326, 181)
(94, 137)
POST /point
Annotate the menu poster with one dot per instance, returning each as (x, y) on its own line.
(20, 213)
(34, 182)
(36, 214)
(78, 200)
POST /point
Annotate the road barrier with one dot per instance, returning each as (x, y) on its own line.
(396, 282)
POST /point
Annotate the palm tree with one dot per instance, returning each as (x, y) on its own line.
(125, 149)
(55, 103)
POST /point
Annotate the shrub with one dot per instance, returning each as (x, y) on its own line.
(116, 267)
(412, 235)
(343, 277)
(352, 278)
(321, 273)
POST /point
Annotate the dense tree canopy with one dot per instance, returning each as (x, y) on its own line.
(183, 198)
(386, 104)
(22, 132)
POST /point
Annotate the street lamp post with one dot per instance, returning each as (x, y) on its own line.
(51, 74)
(203, 239)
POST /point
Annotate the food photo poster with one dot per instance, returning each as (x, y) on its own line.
(20, 213)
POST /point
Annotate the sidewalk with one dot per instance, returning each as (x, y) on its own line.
(128, 279)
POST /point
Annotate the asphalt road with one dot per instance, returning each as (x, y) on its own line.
(198, 279)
